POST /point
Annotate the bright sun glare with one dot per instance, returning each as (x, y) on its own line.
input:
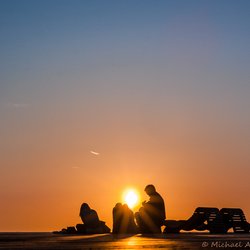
(131, 197)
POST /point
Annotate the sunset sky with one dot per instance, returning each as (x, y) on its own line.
(97, 96)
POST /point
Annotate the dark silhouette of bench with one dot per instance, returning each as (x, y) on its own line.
(235, 218)
(212, 219)
(202, 219)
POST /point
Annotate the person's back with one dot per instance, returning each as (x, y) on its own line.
(156, 206)
(89, 216)
(91, 223)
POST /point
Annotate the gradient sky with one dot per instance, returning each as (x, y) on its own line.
(160, 89)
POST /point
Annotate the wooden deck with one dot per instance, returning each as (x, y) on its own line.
(194, 241)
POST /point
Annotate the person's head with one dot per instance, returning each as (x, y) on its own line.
(150, 189)
(125, 206)
(85, 207)
(118, 205)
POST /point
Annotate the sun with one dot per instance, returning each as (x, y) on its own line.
(131, 197)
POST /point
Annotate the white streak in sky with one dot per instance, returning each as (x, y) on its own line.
(94, 153)
(18, 105)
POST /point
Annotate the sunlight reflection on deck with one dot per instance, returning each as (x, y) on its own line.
(44, 241)
(149, 243)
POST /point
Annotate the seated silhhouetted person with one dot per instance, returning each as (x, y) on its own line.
(117, 218)
(91, 223)
(123, 220)
(151, 215)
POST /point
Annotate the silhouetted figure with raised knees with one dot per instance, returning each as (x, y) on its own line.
(123, 220)
(117, 218)
(151, 215)
(91, 223)
(129, 219)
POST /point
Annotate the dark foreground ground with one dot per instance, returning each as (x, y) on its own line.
(108, 241)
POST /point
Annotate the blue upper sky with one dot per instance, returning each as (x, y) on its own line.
(68, 35)
(161, 47)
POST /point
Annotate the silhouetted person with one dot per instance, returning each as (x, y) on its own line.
(117, 218)
(151, 215)
(89, 216)
(123, 220)
(91, 222)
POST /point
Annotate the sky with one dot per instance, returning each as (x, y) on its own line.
(98, 96)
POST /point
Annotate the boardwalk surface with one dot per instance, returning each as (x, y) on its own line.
(175, 241)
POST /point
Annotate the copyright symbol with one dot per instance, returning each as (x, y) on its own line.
(204, 244)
